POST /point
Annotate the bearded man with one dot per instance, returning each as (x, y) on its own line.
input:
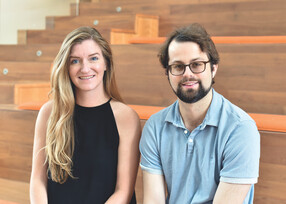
(202, 147)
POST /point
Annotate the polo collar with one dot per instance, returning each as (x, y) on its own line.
(213, 115)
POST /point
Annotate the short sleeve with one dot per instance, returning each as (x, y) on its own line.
(150, 155)
(241, 154)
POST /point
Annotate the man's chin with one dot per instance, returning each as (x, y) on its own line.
(191, 95)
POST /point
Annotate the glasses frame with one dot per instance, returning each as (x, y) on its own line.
(188, 65)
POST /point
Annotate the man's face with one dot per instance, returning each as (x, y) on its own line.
(190, 87)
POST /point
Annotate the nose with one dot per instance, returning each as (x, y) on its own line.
(188, 71)
(84, 66)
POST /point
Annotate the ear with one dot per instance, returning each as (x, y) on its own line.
(214, 70)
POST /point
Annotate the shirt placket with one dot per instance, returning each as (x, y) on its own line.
(190, 136)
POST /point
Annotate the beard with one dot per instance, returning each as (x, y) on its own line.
(191, 95)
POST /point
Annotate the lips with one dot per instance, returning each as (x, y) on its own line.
(86, 77)
(189, 83)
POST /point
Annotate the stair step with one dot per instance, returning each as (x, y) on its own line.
(145, 26)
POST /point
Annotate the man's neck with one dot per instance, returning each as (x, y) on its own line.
(193, 114)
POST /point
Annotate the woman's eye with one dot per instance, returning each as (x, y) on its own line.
(74, 61)
(94, 58)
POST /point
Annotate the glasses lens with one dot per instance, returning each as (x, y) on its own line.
(177, 69)
(197, 67)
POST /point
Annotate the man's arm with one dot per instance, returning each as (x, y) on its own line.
(240, 164)
(153, 188)
(229, 193)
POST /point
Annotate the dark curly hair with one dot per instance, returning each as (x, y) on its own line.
(193, 33)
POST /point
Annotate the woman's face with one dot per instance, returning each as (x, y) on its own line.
(87, 67)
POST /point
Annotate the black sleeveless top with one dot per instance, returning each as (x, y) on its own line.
(94, 161)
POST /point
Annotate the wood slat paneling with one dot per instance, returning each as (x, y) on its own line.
(16, 143)
(221, 18)
(17, 126)
(14, 192)
(104, 22)
(29, 52)
(7, 93)
(16, 155)
(127, 7)
(249, 75)
(149, 83)
(229, 23)
(25, 71)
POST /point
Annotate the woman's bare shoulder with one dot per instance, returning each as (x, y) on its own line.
(124, 115)
(122, 110)
(45, 111)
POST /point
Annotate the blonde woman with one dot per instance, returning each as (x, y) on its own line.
(86, 139)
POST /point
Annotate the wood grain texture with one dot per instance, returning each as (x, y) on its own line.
(29, 52)
(126, 21)
(127, 7)
(14, 192)
(249, 75)
(182, 1)
(25, 71)
(221, 18)
(46, 36)
(7, 93)
(139, 66)
(144, 25)
(16, 154)
(16, 143)
(229, 19)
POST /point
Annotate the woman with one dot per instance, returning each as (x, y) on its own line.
(86, 139)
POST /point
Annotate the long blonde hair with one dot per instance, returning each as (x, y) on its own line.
(60, 130)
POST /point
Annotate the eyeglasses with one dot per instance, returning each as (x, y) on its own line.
(196, 67)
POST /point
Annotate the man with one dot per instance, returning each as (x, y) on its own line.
(204, 148)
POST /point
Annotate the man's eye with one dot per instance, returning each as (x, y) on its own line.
(197, 64)
(178, 66)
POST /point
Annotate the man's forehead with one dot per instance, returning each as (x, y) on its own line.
(186, 49)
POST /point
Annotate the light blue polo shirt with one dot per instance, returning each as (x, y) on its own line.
(225, 147)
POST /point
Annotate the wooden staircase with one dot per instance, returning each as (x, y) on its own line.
(251, 72)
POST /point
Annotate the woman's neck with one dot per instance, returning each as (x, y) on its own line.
(91, 99)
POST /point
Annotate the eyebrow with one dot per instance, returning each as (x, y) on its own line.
(195, 59)
(192, 60)
(96, 53)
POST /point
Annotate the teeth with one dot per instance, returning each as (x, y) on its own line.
(87, 77)
(190, 83)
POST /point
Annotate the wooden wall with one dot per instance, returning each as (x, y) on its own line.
(249, 75)
(16, 142)
(220, 17)
(272, 171)
(16, 139)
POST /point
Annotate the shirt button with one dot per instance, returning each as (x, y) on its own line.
(186, 131)
(190, 140)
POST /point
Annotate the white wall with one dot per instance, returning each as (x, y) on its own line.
(28, 14)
